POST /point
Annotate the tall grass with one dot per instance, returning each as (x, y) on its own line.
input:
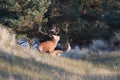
(17, 63)
(6, 38)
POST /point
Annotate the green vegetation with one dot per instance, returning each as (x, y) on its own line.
(80, 21)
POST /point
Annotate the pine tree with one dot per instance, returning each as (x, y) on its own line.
(23, 15)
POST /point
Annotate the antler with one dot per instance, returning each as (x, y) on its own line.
(55, 30)
(39, 30)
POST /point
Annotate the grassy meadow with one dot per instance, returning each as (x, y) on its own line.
(17, 63)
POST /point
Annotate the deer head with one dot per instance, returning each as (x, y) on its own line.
(49, 46)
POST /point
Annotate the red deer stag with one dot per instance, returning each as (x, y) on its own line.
(49, 46)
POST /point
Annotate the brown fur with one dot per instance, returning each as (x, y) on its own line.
(56, 52)
(50, 45)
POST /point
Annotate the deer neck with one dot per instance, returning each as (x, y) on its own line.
(55, 41)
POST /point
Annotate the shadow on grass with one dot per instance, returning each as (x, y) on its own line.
(52, 72)
(30, 64)
(6, 75)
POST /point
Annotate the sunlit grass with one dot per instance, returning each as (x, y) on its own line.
(25, 63)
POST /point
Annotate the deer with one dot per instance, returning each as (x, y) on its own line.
(49, 46)
(65, 47)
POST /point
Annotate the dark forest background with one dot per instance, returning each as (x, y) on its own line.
(80, 21)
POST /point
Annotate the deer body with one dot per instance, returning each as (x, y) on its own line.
(50, 45)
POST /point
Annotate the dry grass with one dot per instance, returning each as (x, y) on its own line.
(18, 63)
